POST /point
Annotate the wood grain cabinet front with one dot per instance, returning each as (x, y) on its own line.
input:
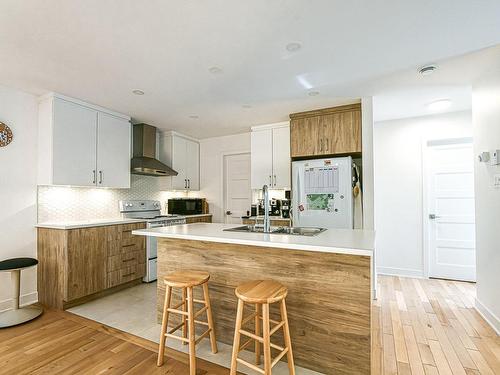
(199, 219)
(329, 131)
(78, 264)
(85, 262)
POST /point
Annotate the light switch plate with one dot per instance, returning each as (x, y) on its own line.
(496, 180)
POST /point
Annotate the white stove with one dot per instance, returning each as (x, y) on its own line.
(150, 211)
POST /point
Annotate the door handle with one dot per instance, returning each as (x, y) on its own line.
(185, 183)
(95, 176)
(274, 180)
(433, 216)
(228, 212)
(189, 183)
(270, 180)
(100, 177)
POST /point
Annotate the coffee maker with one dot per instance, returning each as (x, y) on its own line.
(275, 205)
(285, 208)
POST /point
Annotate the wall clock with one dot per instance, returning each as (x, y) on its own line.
(5, 135)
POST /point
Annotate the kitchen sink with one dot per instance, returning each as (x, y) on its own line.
(295, 231)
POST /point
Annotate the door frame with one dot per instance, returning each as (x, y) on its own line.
(223, 175)
(426, 145)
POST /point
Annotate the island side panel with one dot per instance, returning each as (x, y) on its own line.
(329, 299)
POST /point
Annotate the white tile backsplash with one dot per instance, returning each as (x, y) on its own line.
(61, 203)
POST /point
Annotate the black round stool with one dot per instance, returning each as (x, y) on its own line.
(18, 314)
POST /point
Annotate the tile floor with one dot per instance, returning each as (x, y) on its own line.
(133, 310)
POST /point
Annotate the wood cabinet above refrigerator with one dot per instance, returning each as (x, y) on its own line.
(329, 131)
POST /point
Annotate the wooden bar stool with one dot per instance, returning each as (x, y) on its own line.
(262, 293)
(187, 280)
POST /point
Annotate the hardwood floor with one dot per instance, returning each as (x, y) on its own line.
(430, 327)
(63, 343)
(419, 327)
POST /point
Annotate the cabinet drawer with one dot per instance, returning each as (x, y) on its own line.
(126, 274)
(118, 247)
(125, 260)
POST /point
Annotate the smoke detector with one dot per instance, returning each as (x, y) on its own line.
(427, 69)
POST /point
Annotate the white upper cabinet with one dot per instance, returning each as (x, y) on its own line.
(113, 151)
(261, 158)
(74, 137)
(193, 165)
(281, 157)
(82, 145)
(270, 156)
(182, 154)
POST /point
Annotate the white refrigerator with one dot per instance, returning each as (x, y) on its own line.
(322, 193)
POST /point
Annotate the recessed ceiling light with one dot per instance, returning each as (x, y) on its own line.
(293, 47)
(194, 116)
(439, 105)
(215, 70)
(137, 92)
(246, 106)
(427, 70)
(313, 93)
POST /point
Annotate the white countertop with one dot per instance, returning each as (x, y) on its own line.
(87, 223)
(261, 217)
(342, 241)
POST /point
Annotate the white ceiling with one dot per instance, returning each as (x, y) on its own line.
(99, 51)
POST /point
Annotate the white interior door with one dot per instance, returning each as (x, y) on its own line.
(451, 214)
(237, 191)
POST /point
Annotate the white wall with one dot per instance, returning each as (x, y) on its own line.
(398, 186)
(486, 119)
(18, 175)
(212, 151)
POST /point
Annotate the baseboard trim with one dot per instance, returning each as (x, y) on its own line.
(400, 272)
(488, 315)
(25, 299)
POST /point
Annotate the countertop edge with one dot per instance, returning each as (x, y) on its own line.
(89, 224)
(286, 246)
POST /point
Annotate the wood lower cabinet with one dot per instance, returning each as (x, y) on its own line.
(199, 219)
(85, 268)
(329, 131)
(279, 222)
(77, 264)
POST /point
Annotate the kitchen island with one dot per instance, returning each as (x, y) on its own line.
(328, 277)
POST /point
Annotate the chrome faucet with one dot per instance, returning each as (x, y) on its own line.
(267, 222)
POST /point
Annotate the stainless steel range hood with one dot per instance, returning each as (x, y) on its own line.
(144, 160)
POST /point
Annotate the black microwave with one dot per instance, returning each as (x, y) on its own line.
(185, 206)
